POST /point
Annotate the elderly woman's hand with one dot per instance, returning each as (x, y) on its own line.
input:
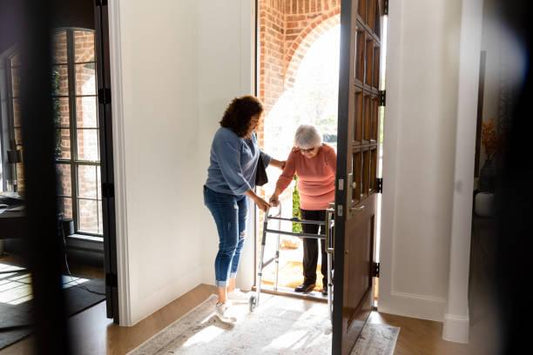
(274, 200)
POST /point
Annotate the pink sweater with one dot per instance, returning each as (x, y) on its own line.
(316, 177)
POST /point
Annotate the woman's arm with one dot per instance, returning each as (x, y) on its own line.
(278, 163)
(331, 160)
(289, 169)
(274, 199)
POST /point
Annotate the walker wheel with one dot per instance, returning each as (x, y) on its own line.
(253, 303)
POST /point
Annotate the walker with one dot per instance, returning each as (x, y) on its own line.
(328, 236)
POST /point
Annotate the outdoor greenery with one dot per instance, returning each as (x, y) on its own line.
(296, 227)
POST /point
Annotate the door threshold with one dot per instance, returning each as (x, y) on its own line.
(289, 292)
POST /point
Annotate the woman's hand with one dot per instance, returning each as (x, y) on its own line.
(261, 204)
(274, 200)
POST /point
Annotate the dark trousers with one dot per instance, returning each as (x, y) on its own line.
(311, 248)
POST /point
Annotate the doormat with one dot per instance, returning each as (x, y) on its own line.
(15, 301)
(278, 325)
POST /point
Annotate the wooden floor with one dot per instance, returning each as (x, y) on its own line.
(92, 333)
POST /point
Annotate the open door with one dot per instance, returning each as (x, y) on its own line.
(357, 183)
(106, 149)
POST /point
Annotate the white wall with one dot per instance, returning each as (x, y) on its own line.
(175, 66)
(419, 148)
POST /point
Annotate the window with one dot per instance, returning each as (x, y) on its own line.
(76, 117)
(76, 109)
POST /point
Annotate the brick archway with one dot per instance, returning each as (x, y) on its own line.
(305, 40)
(287, 28)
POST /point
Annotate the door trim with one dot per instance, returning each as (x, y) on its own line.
(119, 149)
(456, 318)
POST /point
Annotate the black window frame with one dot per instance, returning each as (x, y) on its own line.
(74, 162)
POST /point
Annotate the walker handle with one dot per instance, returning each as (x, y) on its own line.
(278, 208)
(330, 212)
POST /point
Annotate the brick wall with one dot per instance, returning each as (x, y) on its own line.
(287, 28)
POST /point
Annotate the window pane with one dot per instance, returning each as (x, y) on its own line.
(65, 206)
(88, 216)
(60, 80)
(60, 47)
(88, 144)
(88, 181)
(62, 149)
(83, 46)
(86, 79)
(99, 184)
(64, 180)
(86, 115)
(15, 82)
(100, 220)
(61, 109)
(16, 112)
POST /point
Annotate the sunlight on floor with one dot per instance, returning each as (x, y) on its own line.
(206, 335)
(15, 284)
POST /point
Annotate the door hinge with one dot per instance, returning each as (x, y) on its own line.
(339, 210)
(382, 97)
(108, 190)
(104, 96)
(385, 7)
(379, 185)
(375, 269)
(111, 280)
(341, 184)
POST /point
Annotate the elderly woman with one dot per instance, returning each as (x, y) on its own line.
(315, 165)
(230, 182)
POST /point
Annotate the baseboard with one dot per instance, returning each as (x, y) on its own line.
(456, 328)
(413, 305)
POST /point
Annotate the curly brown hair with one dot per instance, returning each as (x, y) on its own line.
(239, 113)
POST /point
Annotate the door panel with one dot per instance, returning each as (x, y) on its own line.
(357, 153)
(106, 149)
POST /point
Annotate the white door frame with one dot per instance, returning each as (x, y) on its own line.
(456, 318)
(117, 109)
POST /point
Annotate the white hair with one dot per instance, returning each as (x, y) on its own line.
(307, 136)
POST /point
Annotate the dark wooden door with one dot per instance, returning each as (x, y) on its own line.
(359, 102)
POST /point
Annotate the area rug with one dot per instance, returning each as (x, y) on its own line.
(376, 339)
(279, 325)
(15, 301)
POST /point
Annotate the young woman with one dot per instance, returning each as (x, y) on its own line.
(230, 182)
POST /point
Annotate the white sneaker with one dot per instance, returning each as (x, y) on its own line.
(221, 313)
(238, 296)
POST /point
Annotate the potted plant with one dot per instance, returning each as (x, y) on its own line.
(487, 174)
(489, 140)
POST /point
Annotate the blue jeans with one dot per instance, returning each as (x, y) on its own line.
(230, 213)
